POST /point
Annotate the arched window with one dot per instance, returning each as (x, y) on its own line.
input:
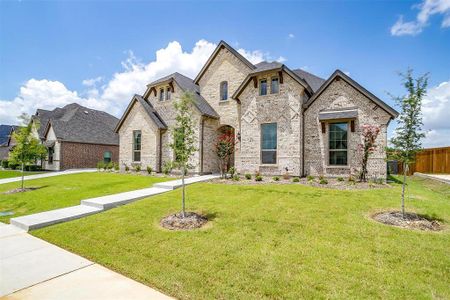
(107, 156)
(224, 90)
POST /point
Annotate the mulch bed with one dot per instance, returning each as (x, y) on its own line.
(411, 221)
(20, 190)
(176, 221)
(333, 183)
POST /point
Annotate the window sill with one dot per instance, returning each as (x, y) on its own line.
(269, 165)
(338, 167)
(224, 101)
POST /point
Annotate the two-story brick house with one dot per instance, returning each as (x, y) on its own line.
(283, 119)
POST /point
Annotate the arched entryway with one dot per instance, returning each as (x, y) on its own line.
(227, 130)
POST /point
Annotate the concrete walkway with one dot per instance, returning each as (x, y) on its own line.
(45, 175)
(31, 268)
(99, 204)
(445, 178)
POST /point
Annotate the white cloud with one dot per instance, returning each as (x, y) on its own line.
(291, 36)
(114, 95)
(427, 8)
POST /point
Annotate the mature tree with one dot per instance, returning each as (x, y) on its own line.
(184, 139)
(408, 134)
(225, 148)
(28, 149)
(367, 147)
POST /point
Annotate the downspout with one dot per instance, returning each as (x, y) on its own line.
(303, 140)
(201, 144)
(160, 151)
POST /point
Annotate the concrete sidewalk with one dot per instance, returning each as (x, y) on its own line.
(45, 175)
(444, 178)
(31, 268)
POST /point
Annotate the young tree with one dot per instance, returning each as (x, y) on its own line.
(369, 133)
(225, 148)
(28, 149)
(183, 133)
(408, 134)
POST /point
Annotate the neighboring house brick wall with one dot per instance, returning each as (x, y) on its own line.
(283, 108)
(80, 155)
(340, 94)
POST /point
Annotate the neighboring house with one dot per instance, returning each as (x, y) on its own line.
(6, 140)
(76, 137)
(283, 119)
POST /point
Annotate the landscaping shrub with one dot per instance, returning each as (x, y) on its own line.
(295, 179)
(34, 168)
(5, 164)
(137, 168)
(340, 178)
(257, 173)
(236, 177)
(310, 177)
(127, 168)
(167, 167)
(351, 179)
(323, 181)
(116, 166)
(13, 166)
(248, 176)
(149, 170)
(232, 171)
(321, 177)
(258, 178)
(276, 178)
(101, 165)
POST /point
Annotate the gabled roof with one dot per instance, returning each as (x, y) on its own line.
(357, 86)
(5, 134)
(76, 123)
(152, 113)
(263, 67)
(315, 82)
(188, 85)
(220, 46)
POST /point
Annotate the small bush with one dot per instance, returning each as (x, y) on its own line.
(149, 170)
(310, 177)
(100, 165)
(236, 177)
(340, 178)
(34, 168)
(257, 173)
(351, 179)
(258, 178)
(295, 179)
(13, 166)
(232, 171)
(137, 168)
(109, 166)
(321, 177)
(127, 168)
(323, 181)
(116, 166)
(5, 164)
(248, 176)
(167, 167)
(276, 178)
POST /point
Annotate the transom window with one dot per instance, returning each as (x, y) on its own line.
(107, 157)
(338, 144)
(224, 90)
(168, 93)
(263, 87)
(274, 85)
(269, 143)
(136, 145)
(161, 95)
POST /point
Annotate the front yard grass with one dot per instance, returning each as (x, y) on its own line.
(67, 190)
(273, 241)
(14, 173)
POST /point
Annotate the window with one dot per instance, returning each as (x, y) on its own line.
(224, 90)
(269, 143)
(51, 151)
(168, 94)
(338, 144)
(136, 145)
(107, 157)
(274, 86)
(263, 87)
(161, 95)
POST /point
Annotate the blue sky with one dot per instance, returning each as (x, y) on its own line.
(88, 50)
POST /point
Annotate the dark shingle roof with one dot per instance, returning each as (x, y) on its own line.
(76, 123)
(153, 114)
(315, 82)
(265, 66)
(5, 133)
(188, 85)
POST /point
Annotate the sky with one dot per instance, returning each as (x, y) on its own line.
(101, 53)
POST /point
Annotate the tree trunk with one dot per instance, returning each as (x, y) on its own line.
(183, 212)
(403, 190)
(22, 176)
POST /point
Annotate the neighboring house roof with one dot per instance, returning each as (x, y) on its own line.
(5, 134)
(76, 123)
(274, 66)
(152, 113)
(220, 46)
(188, 85)
(357, 86)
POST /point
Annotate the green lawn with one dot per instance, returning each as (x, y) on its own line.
(14, 173)
(66, 190)
(274, 241)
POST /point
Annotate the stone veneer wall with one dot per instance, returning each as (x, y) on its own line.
(138, 119)
(340, 94)
(283, 108)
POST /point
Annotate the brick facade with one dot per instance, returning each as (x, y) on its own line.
(79, 155)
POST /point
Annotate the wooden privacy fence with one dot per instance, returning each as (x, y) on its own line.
(433, 161)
